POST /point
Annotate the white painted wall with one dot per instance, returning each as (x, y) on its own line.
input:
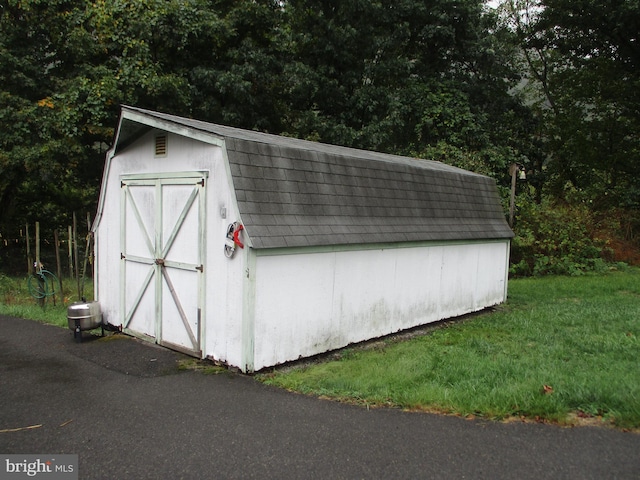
(222, 338)
(315, 302)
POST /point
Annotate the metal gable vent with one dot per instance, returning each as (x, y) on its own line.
(161, 145)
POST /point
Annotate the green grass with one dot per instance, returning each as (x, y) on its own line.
(16, 301)
(563, 350)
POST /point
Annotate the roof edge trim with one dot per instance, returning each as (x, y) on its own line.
(169, 126)
(276, 251)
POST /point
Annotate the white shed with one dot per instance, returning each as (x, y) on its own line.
(338, 245)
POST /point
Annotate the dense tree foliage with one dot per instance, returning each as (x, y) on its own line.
(581, 78)
(582, 63)
(396, 76)
(549, 84)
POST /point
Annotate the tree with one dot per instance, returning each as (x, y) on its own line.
(409, 77)
(582, 59)
(66, 67)
(236, 71)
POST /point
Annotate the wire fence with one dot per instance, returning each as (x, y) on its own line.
(68, 253)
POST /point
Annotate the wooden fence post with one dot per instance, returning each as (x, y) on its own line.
(37, 265)
(56, 242)
(86, 254)
(75, 254)
(29, 259)
(70, 237)
(40, 279)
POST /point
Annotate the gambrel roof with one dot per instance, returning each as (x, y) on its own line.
(293, 193)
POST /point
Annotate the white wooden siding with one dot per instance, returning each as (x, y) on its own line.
(312, 303)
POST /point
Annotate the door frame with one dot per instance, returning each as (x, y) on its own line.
(154, 242)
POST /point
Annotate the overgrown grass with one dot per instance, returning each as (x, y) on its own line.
(16, 301)
(563, 350)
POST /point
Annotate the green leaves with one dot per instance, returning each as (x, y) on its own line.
(581, 63)
(554, 87)
(556, 239)
(395, 77)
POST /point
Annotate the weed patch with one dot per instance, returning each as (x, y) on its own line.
(203, 366)
(16, 301)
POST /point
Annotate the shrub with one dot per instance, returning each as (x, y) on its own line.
(9, 289)
(556, 239)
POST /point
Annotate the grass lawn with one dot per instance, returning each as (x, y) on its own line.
(16, 301)
(563, 350)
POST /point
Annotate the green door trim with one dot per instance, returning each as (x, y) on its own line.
(158, 252)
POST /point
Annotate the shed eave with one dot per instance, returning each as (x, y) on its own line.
(275, 251)
(132, 119)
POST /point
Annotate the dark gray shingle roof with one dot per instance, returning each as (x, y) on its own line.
(294, 192)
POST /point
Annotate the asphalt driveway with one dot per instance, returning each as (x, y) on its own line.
(129, 413)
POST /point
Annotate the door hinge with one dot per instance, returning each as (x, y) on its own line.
(200, 268)
(201, 182)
